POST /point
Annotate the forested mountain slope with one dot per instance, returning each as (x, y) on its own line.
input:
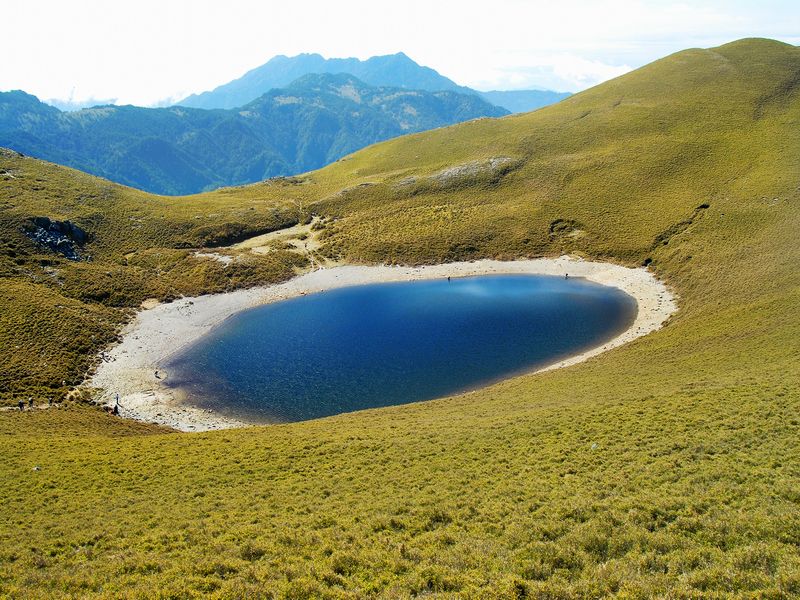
(312, 122)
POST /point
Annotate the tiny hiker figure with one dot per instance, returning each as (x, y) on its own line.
(21, 405)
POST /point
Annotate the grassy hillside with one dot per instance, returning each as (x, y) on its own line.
(666, 468)
(57, 314)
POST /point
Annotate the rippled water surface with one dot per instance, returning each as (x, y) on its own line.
(393, 343)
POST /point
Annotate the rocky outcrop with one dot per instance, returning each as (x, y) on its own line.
(498, 165)
(346, 190)
(58, 236)
(68, 228)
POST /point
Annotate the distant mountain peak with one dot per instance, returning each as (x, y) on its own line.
(394, 70)
(179, 150)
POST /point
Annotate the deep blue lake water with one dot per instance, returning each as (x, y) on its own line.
(383, 344)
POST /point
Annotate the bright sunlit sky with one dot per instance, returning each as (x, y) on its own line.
(156, 52)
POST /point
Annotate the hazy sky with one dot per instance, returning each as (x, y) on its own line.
(155, 52)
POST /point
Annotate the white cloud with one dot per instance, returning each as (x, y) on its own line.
(582, 73)
(152, 50)
(572, 44)
(563, 72)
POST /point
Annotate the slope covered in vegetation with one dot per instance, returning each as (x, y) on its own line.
(297, 128)
(666, 468)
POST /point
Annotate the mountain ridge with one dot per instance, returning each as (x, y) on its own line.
(395, 70)
(180, 150)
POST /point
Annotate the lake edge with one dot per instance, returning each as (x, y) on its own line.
(162, 330)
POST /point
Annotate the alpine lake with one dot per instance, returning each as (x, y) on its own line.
(386, 344)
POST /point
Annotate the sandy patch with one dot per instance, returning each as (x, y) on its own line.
(129, 368)
(290, 234)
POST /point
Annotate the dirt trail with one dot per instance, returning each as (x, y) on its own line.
(300, 238)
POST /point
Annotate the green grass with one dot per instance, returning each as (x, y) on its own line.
(666, 468)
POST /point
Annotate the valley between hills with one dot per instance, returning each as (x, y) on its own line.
(666, 467)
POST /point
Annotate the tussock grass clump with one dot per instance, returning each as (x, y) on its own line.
(666, 468)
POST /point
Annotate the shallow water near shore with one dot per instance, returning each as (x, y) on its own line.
(384, 344)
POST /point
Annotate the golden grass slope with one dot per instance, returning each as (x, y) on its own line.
(624, 162)
(666, 468)
(56, 314)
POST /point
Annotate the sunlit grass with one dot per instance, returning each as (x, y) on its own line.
(666, 468)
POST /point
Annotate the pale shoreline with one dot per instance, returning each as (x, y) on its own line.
(158, 332)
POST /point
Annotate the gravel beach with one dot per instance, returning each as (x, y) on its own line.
(131, 368)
